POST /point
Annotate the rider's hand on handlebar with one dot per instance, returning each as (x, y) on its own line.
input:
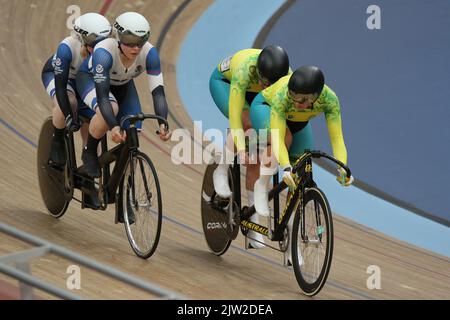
(288, 178)
(72, 124)
(343, 179)
(117, 135)
(163, 133)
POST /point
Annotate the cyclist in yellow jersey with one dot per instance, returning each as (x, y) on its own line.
(287, 106)
(233, 85)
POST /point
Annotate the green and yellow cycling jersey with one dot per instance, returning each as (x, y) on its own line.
(283, 109)
(240, 70)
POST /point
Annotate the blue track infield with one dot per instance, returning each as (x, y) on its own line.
(393, 86)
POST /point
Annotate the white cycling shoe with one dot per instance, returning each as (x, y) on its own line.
(250, 243)
(261, 198)
(220, 181)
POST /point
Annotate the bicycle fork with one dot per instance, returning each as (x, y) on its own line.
(133, 145)
(318, 224)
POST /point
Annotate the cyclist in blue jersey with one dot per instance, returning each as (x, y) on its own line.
(105, 83)
(58, 77)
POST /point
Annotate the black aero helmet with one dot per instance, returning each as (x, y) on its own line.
(307, 80)
(273, 63)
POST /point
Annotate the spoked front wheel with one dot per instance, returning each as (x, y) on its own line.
(312, 242)
(142, 205)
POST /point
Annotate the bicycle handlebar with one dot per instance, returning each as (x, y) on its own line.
(320, 154)
(308, 154)
(142, 117)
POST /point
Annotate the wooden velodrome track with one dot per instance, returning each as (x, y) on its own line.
(29, 34)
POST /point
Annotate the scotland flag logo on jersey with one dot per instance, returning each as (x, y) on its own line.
(99, 68)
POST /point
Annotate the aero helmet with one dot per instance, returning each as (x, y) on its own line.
(91, 28)
(273, 63)
(132, 29)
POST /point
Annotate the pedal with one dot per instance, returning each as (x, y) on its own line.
(287, 261)
(90, 195)
(90, 202)
(223, 203)
(249, 246)
(55, 166)
(256, 245)
(131, 216)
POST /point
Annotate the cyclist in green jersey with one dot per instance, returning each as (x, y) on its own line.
(287, 106)
(234, 83)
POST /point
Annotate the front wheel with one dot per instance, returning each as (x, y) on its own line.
(312, 242)
(142, 205)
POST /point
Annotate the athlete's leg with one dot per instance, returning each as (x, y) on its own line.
(219, 88)
(253, 170)
(302, 140)
(128, 100)
(91, 201)
(260, 117)
(57, 115)
(97, 127)
(127, 97)
(86, 88)
(84, 132)
(57, 153)
(84, 111)
(252, 167)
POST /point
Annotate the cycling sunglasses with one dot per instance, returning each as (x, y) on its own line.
(302, 98)
(263, 80)
(91, 40)
(131, 40)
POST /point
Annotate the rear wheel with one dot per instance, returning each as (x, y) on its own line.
(312, 248)
(141, 205)
(55, 194)
(218, 230)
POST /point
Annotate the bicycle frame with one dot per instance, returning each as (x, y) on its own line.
(121, 155)
(304, 226)
(305, 180)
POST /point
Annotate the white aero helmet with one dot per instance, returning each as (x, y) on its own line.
(132, 29)
(91, 28)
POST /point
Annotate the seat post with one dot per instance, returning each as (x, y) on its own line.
(237, 182)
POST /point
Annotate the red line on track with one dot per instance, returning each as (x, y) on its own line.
(105, 7)
(9, 291)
